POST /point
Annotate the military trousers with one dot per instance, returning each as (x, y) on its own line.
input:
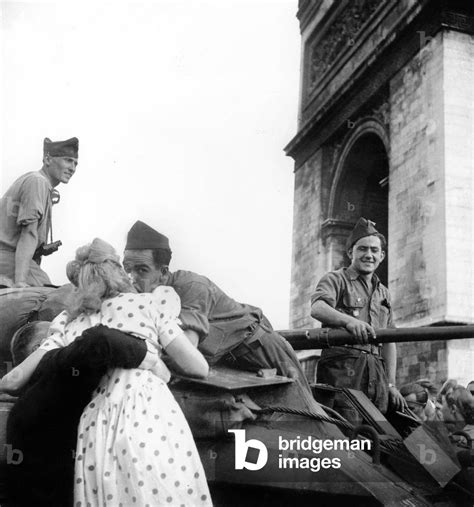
(352, 368)
(267, 349)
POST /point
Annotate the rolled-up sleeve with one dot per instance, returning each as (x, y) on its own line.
(196, 300)
(34, 198)
(329, 290)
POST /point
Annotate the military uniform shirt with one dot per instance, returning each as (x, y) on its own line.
(27, 201)
(358, 366)
(225, 327)
(345, 291)
(221, 322)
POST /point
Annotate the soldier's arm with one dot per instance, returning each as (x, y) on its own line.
(25, 250)
(196, 301)
(100, 348)
(323, 308)
(389, 353)
(329, 316)
(32, 208)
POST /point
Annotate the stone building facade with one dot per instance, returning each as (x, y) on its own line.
(385, 131)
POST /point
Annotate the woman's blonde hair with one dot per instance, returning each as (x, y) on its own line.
(98, 275)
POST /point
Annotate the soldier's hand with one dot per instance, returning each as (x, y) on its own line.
(361, 330)
(396, 400)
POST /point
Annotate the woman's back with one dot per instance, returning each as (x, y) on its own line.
(150, 316)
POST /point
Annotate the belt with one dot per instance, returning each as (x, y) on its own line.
(251, 341)
(373, 349)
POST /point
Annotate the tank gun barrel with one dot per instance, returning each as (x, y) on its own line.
(302, 339)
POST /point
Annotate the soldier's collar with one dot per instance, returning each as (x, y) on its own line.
(353, 275)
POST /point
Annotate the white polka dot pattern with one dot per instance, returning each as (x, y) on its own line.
(135, 447)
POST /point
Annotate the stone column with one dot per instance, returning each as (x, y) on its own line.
(430, 198)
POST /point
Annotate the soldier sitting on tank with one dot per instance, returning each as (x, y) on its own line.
(42, 425)
(355, 299)
(26, 216)
(224, 330)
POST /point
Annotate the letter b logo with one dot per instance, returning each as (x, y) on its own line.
(241, 448)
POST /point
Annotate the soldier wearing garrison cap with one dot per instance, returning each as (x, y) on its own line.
(355, 299)
(25, 215)
(224, 330)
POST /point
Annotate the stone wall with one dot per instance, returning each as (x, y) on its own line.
(422, 360)
(458, 64)
(430, 202)
(459, 193)
(307, 267)
(417, 271)
(425, 81)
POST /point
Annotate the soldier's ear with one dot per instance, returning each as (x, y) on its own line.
(349, 253)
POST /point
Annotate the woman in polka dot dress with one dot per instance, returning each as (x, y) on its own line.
(134, 444)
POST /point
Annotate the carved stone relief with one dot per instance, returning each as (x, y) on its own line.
(341, 34)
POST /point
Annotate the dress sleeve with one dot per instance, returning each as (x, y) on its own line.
(329, 290)
(34, 198)
(165, 312)
(56, 334)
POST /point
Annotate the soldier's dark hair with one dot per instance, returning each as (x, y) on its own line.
(161, 256)
(22, 343)
(383, 241)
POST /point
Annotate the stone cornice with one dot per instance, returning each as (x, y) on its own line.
(332, 106)
(462, 22)
(334, 227)
(306, 11)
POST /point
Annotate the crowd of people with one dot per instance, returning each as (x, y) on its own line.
(452, 404)
(95, 419)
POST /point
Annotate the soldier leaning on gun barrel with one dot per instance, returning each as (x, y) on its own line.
(355, 299)
(26, 212)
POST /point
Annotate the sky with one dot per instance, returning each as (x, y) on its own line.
(182, 109)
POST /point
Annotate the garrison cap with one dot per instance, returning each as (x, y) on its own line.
(68, 148)
(142, 237)
(362, 228)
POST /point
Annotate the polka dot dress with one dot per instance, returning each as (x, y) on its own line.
(134, 444)
(135, 447)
